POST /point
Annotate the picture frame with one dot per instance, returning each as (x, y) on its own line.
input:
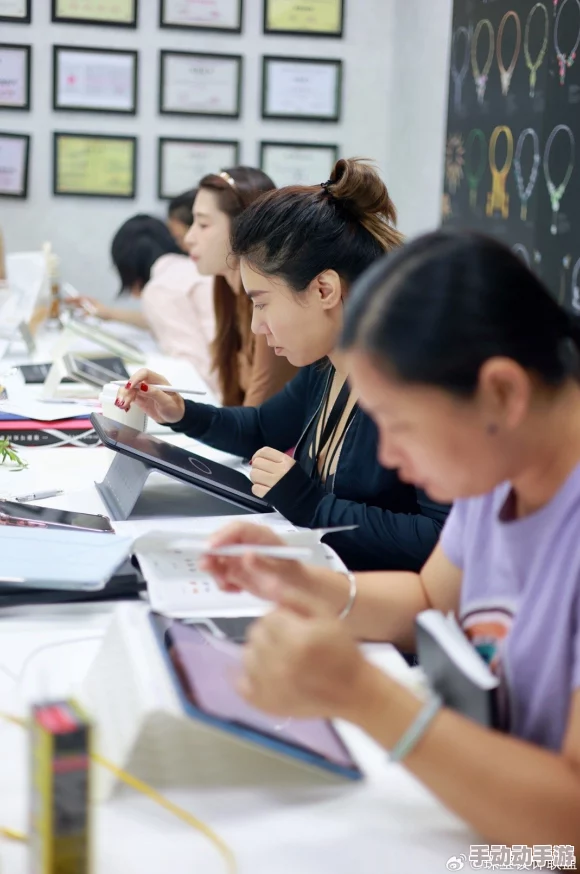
(217, 16)
(94, 165)
(200, 84)
(297, 163)
(94, 80)
(318, 18)
(301, 89)
(14, 164)
(103, 13)
(182, 162)
(15, 76)
(16, 11)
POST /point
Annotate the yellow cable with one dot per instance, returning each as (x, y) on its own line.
(146, 790)
(177, 811)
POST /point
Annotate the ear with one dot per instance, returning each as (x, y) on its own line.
(505, 390)
(328, 287)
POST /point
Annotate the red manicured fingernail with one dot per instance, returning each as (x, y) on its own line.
(144, 386)
(128, 385)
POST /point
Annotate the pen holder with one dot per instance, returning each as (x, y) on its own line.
(134, 418)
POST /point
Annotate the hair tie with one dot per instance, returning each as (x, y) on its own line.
(325, 186)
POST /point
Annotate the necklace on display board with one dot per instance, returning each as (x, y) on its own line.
(474, 176)
(520, 250)
(458, 75)
(481, 76)
(506, 74)
(565, 61)
(556, 192)
(498, 199)
(526, 192)
(534, 66)
(576, 287)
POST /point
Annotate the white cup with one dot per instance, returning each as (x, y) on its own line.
(135, 418)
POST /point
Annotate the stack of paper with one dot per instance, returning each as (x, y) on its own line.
(59, 559)
(35, 423)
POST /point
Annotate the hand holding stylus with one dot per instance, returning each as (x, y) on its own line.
(162, 406)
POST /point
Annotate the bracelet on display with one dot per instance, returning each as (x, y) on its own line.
(417, 729)
(351, 595)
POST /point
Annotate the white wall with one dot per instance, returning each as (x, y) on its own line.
(81, 229)
(418, 111)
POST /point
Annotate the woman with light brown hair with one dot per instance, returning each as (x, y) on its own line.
(248, 371)
(299, 249)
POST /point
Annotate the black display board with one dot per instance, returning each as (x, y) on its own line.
(511, 163)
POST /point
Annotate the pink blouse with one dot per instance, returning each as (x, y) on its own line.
(178, 305)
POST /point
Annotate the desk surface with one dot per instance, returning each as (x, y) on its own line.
(388, 823)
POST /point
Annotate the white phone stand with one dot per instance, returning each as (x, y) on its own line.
(142, 728)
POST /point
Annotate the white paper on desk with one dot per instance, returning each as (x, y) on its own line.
(41, 412)
(198, 526)
(178, 588)
(56, 559)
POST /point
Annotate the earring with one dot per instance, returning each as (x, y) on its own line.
(492, 428)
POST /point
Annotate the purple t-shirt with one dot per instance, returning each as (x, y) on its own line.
(520, 603)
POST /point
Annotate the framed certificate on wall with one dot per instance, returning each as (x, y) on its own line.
(304, 17)
(112, 13)
(16, 11)
(14, 159)
(15, 67)
(218, 15)
(91, 165)
(297, 163)
(309, 89)
(94, 80)
(195, 83)
(182, 163)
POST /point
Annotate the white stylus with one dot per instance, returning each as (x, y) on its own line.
(169, 388)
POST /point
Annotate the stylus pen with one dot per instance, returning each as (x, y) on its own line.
(181, 391)
(39, 496)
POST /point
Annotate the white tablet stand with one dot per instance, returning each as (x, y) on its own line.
(52, 387)
(142, 728)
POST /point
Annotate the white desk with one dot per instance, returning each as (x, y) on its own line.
(386, 825)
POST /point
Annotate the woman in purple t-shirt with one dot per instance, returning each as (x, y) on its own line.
(470, 370)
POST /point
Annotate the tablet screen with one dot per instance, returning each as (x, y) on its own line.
(217, 477)
(206, 669)
(99, 372)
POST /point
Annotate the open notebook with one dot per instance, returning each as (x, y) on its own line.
(178, 588)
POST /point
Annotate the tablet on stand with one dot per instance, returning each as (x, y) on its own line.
(139, 454)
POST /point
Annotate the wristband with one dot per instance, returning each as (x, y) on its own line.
(417, 729)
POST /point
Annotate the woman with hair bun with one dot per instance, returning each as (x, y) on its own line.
(299, 250)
